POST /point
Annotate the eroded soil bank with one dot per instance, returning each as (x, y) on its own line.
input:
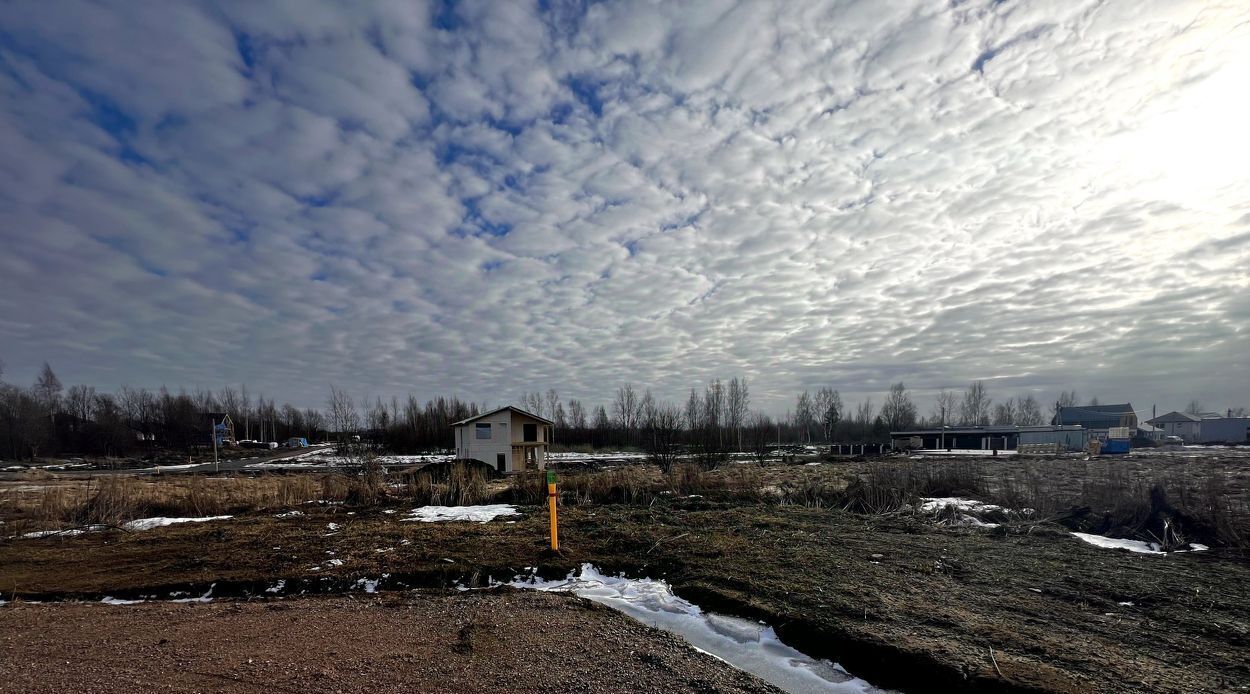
(895, 599)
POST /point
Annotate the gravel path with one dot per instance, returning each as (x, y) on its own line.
(490, 641)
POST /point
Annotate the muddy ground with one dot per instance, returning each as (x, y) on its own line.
(895, 599)
(497, 641)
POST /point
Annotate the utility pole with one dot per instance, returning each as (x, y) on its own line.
(216, 468)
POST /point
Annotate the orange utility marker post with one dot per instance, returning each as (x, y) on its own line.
(551, 504)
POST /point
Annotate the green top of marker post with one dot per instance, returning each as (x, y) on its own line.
(551, 477)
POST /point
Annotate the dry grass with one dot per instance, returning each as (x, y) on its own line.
(116, 499)
(457, 484)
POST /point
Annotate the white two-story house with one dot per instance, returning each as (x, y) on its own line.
(509, 439)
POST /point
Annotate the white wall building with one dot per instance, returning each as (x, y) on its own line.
(1180, 424)
(508, 439)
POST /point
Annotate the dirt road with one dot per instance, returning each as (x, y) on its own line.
(483, 641)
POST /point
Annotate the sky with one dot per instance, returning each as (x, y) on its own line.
(489, 198)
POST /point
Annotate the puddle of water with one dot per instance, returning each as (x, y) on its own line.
(746, 645)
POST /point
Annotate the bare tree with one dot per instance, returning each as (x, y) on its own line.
(944, 407)
(1029, 411)
(1194, 407)
(828, 411)
(804, 416)
(625, 407)
(759, 433)
(737, 404)
(48, 388)
(1068, 398)
(899, 412)
(1006, 413)
(975, 410)
(343, 416)
(577, 414)
(549, 407)
(662, 434)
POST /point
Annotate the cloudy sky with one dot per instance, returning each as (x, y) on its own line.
(489, 197)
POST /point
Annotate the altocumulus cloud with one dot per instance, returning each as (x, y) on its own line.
(486, 197)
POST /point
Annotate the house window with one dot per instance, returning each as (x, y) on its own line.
(483, 431)
(531, 432)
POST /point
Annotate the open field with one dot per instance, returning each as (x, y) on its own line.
(838, 557)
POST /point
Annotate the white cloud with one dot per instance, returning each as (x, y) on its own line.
(843, 193)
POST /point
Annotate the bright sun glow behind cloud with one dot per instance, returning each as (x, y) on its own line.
(1192, 148)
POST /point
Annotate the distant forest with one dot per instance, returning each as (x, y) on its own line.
(46, 419)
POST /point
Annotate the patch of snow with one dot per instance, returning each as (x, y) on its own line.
(958, 452)
(289, 514)
(1125, 604)
(206, 597)
(118, 601)
(370, 585)
(742, 643)
(65, 533)
(335, 562)
(1113, 543)
(158, 522)
(932, 504)
(332, 526)
(1195, 547)
(277, 587)
(479, 514)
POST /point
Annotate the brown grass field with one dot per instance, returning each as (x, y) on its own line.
(833, 555)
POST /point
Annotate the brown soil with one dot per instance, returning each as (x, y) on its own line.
(493, 641)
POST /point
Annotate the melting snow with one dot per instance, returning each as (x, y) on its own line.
(1134, 545)
(936, 503)
(118, 601)
(747, 645)
(480, 514)
(206, 597)
(289, 514)
(149, 523)
(277, 587)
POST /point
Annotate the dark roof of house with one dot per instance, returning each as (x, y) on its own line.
(1172, 417)
(1109, 414)
(497, 410)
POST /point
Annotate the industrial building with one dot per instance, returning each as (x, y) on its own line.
(990, 438)
(1235, 430)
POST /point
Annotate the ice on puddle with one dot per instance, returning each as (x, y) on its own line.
(480, 514)
(149, 523)
(742, 643)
